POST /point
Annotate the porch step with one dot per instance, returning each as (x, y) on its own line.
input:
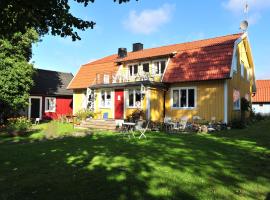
(98, 124)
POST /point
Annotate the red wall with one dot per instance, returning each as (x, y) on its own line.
(63, 107)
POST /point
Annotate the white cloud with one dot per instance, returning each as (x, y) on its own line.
(254, 5)
(149, 20)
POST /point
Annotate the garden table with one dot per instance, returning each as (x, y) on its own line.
(128, 127)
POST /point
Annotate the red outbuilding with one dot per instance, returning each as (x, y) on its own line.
(49, 97)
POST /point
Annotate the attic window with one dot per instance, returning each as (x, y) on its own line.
(160, 67)
(235, 62)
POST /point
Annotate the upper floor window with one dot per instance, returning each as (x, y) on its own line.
(160, 66)
(106, 99)
(184, 98)
(133, 70)
(146, 67)
(242, 69)
(50, 104)
(235, 62)
(106, 79)
(236, 99)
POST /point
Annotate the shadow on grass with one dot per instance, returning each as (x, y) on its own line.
(108, 166)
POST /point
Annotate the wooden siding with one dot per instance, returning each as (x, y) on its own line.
(157, 105)
(210, 101)
(238, 82)
(78, 98)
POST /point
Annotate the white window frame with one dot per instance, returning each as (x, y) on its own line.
(235, 64)
(184, 88)
(46, 105)
(155, 66)
(149, 69)
(238, 107)
(134, 98)
(242, 69)
(105, 104)
(132, 66)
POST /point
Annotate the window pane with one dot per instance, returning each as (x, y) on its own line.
(131, 98)
(191, 98)
(163, 65)
(236, 99)
(130, 70)
(175, 98)
(108, 98)
(183, 100)
(157, 67)
(135, 69)
(138, 98)
(146, 67)
(102, 98)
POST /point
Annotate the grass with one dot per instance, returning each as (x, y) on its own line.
(225, 165)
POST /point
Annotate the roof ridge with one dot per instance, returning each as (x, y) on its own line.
(49, 70)
(191, 41)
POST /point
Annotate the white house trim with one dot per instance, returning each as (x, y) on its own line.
(225, 101)
(168, 61)
(40, 106)
(234, 52)
(148, 103)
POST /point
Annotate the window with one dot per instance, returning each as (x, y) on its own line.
(235, 62)
(183, 98)
(242, 69)
(134, 98)
(50, 104)
(160, 67)
(106, 79)
(133, 70)
(236, 99)
(105, 99)
(146, 67)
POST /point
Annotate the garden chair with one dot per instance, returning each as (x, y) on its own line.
(139, 127)
(181, 126)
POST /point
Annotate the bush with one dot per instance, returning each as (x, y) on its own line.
(136, 115)
(17, 126)
(238, 124)
(83, 114)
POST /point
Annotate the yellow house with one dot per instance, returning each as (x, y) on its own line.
(205, 78)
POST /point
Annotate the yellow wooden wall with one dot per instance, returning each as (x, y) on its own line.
(78, 97)
(157, 105)
(238, 82)
(210, 101)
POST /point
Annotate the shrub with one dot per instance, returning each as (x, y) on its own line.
(83, 114)
(136, 115)
(238, 124)
(17, 126)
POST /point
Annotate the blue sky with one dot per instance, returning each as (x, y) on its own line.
(155, 24)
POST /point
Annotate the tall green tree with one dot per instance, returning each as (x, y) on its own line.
(45, 16)
(16, 72)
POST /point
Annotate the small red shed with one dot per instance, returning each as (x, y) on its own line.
(49, 97)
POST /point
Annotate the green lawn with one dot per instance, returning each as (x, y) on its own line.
(226, 165)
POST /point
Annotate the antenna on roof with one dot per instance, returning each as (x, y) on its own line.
(244, 23)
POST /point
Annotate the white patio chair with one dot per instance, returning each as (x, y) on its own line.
(141, 129)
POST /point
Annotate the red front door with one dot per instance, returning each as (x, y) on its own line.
(119, 104)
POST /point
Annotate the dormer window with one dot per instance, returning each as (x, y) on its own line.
(160, 67)
(133, 70)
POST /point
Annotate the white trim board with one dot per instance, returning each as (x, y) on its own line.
(40, 106)
(225, 101)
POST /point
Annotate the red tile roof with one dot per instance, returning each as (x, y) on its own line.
(263, 91)
(198, 60)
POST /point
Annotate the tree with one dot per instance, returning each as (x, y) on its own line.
(44, 16)
(16, 72)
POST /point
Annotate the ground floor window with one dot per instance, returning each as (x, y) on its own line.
(134, 98)
(184, 98)
(106, 99)
(50, 104)
(236, 99)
